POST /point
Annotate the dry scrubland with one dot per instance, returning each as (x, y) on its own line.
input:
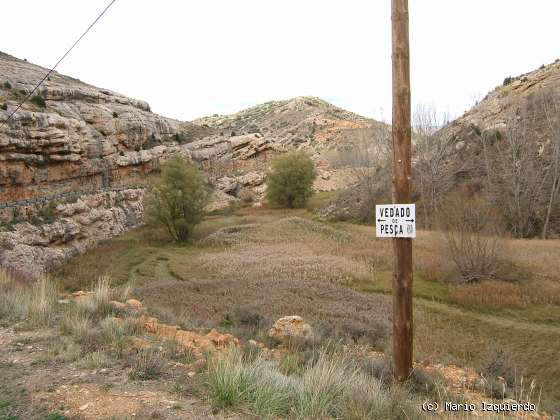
(241, 272)
(88, 358)
(247, 269)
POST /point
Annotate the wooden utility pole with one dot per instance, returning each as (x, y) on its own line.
(402, 247)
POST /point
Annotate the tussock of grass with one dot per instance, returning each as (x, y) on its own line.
(147, 364)
(97, 305)
(43, 301)
(76, 324)
(331, 386)
(96, 360)
(116, 335)
(174, 351)
(64, 349)
(19, 302)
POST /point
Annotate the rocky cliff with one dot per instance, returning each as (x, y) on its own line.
(519, 94)
(75, 159)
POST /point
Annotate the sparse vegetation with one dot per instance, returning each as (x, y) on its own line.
(246, 195)
(4, 107)
(181, 138)
(290, 181)
(7, 85)
(115, 115)
(39, 101)
(177, 200)
(46, 213)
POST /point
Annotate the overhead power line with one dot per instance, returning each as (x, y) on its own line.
(57, 63)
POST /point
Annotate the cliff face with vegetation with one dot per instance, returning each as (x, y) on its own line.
(509, 146)
(520, 94)
(73, 161)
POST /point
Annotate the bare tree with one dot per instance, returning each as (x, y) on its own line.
(434, 162)
(472, 231)
(550, 109)
(516, 177)
(368, 153)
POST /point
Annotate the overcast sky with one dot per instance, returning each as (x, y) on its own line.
(194, 58)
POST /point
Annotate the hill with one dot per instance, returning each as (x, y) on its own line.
(304, 122)
(519, 92)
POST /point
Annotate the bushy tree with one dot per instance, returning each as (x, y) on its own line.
(178, 198)
(290, 181)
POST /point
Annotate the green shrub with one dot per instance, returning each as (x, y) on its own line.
(46, 213)
(290, 181)
(508, 80)
(247, 316)
(178, 199)
(115, 115)
(4, 107)
(7, 85)
(39, 101)
(56, 416)
(150, 143)
(181, 138)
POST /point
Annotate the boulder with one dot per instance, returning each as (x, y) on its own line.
(133, 303)
(220, 201)
(227, 185)
(117, 305)
(291, 327)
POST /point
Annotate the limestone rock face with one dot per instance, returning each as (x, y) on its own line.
(84, 138)
(80, 226)
(220, 201)
(290, 327)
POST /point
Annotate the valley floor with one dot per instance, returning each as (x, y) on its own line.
(245, 270)
(337, 276)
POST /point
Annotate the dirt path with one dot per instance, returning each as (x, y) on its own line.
(498, 321)
(35, 384)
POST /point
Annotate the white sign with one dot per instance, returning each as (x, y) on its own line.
(395, 221)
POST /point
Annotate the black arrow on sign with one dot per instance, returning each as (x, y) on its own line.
(409, 220)
(380, 220)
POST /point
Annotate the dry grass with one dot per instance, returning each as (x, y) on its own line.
(330, 386)
(285, 263)
(147, 364)
(539, 256)
(501, 294)
(490, 294)
(21, 302)
(300, 260)
(282, 267)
